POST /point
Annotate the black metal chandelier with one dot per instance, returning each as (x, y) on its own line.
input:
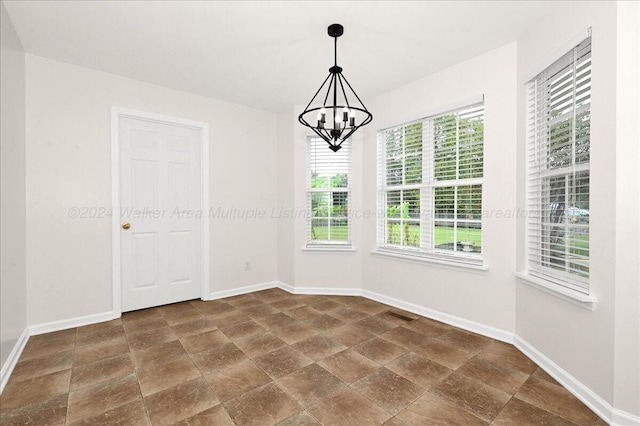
(336, 121)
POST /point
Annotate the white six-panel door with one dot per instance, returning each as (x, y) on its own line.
(160, 213)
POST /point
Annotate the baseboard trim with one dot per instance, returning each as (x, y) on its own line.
(328, 291)
(476, 327)
(473, 326)
(583, 393)
(65, 324)
(12, 360)
(589, 398)
(286, 287)
(243, 290)
(622, 418)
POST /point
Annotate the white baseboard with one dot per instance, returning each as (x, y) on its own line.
(328, 291)
(243, 290)
(286, 287)
(622, 418)
(589, 398)
(12, 360)
(475, 327)
(65, 324)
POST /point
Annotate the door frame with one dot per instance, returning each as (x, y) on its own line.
(116, 114)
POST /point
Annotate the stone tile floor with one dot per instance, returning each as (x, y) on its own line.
(270, 358)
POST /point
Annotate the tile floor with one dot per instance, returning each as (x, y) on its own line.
(271, 357)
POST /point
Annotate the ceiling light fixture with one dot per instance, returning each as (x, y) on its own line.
(336, 121)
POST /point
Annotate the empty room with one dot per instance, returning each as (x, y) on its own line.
(320, 213)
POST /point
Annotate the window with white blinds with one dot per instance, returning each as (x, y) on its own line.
(328, 193)
(430, 185)
(558, 154)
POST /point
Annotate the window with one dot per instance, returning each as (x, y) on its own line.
(430, 185)
(558, 154)
(328, 194)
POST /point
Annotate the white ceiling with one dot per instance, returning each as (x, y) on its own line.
(269, 55)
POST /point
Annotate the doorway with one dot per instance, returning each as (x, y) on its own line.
(160, 216)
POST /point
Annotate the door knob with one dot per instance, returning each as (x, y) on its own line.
(126, 225)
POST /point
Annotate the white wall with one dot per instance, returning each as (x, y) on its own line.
(307, 269)
(484, 297)
(13, 286)
(284, 208)
(627, 297)
(69, 165)
(584, 343)
(324, 271)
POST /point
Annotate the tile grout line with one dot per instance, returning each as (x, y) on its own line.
(75, 345)
(135, 372)
(510, 397)
(189, 354)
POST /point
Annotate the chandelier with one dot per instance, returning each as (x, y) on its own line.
(338, 119)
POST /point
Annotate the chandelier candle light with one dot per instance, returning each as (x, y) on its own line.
(336, 121)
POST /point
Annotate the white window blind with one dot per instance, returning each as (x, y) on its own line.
(328, 193)
(558, 155)
(430, 185)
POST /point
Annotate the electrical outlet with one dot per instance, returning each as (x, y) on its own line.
(247, 265)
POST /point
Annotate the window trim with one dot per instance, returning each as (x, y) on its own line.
(562, 283)
(446, 261)
(330, 246)
(455, 259)
(587, 301)
(558, 53)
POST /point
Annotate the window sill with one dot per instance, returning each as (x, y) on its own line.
(420, 258)
(575, 297)
(329, 248)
